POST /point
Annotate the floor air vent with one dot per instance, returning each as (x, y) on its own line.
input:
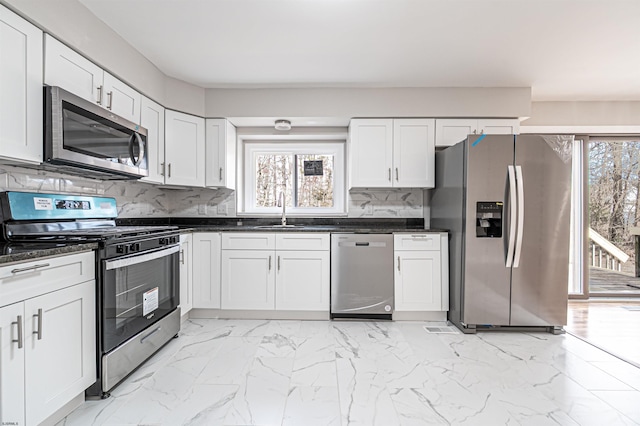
(440, 330)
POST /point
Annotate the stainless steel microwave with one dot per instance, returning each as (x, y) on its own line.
(84, 138)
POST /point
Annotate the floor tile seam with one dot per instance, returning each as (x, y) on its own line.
(601, 349)
(620, 413)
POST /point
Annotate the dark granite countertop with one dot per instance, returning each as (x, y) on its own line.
(244, 224)
(10, 252)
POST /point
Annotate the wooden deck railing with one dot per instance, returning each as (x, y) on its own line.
(604, 254)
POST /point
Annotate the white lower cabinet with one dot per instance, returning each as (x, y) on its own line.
(420, 282)
(283, 271)
(302, 279)
(186, 273)
(206, 270)
(47, 354)
(248, 279)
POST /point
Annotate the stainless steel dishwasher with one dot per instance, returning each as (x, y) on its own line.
(362, 276)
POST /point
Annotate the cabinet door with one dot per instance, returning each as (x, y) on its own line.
(20, 88)
(12, 409)
(414, 153)
(152, 119)
(508, 126)
(451, 131)
(186, 273)
(61, 356)
(184, 149)
(206, 270)
(248, 279)
(121, 99)
(73, 72)
(302, 280)
(418, 281)
(221, 153)
(371, 153)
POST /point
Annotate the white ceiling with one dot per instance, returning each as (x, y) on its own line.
(562, 49)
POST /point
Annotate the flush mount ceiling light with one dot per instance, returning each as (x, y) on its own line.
(283, 125)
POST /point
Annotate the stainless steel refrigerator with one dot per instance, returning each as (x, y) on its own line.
(506, 200)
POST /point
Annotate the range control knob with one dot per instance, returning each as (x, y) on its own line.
(134, 247)
(121, 248)
(162, 241)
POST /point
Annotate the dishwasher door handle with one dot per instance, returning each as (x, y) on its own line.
(362, 244)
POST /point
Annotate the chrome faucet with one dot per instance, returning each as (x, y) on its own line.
(282, 203)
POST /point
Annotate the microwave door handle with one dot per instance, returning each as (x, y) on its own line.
(136, 136)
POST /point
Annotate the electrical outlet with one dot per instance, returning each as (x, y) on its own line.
(202, 209)
(368, 210)
(222, 209)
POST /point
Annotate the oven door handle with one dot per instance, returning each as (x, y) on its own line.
(136, 259)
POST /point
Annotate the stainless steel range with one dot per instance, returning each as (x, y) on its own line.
(137, 267)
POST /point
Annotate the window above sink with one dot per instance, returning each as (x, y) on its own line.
(311, 174)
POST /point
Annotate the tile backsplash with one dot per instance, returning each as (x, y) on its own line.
(136, 199)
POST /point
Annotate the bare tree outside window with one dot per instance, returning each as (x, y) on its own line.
(273, 175)
(614, 189)
(316, 190)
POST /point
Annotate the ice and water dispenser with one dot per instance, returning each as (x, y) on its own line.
(489, 219)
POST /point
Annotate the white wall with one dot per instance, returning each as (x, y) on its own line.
(583, 117)
(389, 102)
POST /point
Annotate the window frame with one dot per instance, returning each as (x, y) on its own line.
(322, 146)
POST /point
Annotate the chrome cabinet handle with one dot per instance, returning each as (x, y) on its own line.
(278, 263)
(29, 268)
(396, 173)
(182, 257)
(109, 100)
(99, 101)
(19, 339)
(269, 262)
(169, 167)
(38, 332)
(398, 263)
(389, 174)
(162, 173)
(220, 174)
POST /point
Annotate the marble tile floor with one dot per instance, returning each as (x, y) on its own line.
(250, 372)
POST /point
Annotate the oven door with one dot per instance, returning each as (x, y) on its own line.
(137, 291)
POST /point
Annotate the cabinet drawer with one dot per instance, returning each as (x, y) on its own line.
(20, 281)
(416, 241)
(302, 241)
(248, 241)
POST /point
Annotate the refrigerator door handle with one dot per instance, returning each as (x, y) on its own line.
(520, 185)
(512, 215)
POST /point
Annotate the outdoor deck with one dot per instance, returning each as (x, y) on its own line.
(607, 281)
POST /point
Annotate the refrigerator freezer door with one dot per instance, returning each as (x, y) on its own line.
(486, 290)
(540, 282)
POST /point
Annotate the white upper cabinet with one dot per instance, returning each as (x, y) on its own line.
(121, 99)
(413, 153)
(20, 89)
(387, 153)
(220, 153)
(73, 72)
(450, 131)
(371, 153)
(152, 119)
(184, 149)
